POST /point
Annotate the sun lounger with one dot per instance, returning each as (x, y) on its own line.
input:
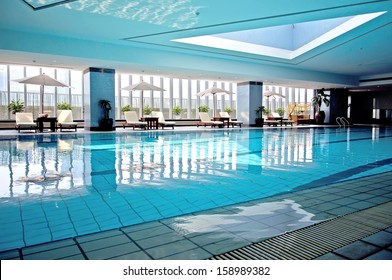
(205, 119)
(132, 120)
(285, 122)
(231, 121)
(161, 121)
(65, 120)
(25, 121)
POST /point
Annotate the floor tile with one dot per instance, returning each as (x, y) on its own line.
(112, 252)
(193, 254)
(10, 255)
(104, 242)
(159, 240)
(166, 250)
(381, 239)
(48, 246)
(226, 245)
(380, 255)
(331, 256)
(53, 254)
(149, 232)
(139, 255)
(357, 250)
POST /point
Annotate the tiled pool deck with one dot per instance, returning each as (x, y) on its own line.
(203, 235)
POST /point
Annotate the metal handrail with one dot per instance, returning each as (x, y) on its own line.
(342, 121)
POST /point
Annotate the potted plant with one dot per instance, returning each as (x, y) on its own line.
(126, 108)
(106, 123)
(177, 110)
(228, 110)
(259, 120)
(204, 108)
(280, 111)
(317, 100)
(147, 110)
(16, 106)
(64, 106)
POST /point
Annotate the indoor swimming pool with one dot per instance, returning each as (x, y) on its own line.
(56, 186)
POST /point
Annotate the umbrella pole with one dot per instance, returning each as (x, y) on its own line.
(141, 104)
(42, 98)
(214, 104)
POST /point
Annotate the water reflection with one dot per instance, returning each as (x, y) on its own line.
(47, 164)
(171, 13)
(252, 222)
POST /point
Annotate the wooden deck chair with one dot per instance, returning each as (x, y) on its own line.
(65, 120)
(132, 120)
(25, 121)
(161, 121)
(231, 122)
(205, 119)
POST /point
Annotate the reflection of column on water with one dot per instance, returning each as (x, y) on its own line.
(51, 163)
(178, 156)
(282, 147)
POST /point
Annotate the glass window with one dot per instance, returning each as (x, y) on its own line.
(3, 92)
(49, 94)
(16, 89)
(166, 96)
(156, 95)
(76, 84)
(185, 99)
(194, 91)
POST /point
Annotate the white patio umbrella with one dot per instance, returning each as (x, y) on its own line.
(142, 86)
(214, 91)
(273, 94)
(42, 80)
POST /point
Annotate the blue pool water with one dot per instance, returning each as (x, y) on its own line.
(59, 186)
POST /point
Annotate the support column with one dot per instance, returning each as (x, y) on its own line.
(98, 85)
(249, 99)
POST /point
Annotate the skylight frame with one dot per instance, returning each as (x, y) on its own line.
(37, 6)
(264, 50)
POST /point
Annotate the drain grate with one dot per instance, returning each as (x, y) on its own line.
(318, 239)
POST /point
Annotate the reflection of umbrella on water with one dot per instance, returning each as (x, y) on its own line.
(214, 91)
(42, 80)
(142, 86)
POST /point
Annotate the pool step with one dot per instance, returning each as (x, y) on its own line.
(318, 239)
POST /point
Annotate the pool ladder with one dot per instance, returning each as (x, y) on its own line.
(342, 121)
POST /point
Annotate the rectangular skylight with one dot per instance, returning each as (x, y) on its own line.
(232, 43)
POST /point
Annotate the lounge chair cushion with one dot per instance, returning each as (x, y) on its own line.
(25, 121)
(206, 119)
(65, 120)
(132, 120)
(161, 121)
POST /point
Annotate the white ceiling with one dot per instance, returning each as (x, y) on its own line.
(136, 37)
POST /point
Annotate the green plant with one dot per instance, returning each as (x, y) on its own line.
(260, 111)
(147, 110)
(319, 98)
(105, 105)
(228, 110)
(16, 106)
(126, 108)
(177, 110)
(204, 108)
(280, 111)
(64, 106)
